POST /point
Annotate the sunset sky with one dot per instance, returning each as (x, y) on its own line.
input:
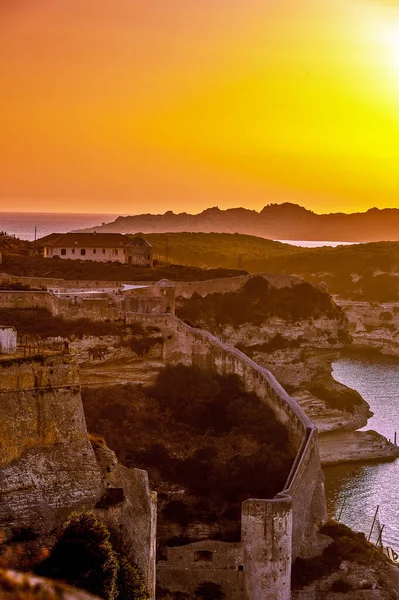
(137, 106)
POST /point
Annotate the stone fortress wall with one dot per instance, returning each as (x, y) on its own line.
(48, 467)
(273, 532)
(109, 302)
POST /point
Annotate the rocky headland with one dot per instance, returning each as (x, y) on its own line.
(299, 350)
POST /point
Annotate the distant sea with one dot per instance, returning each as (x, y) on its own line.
(22, 225)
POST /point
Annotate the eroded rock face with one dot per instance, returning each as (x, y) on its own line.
(300, 355)
(47, 465)
(377, 581)
(374, 325)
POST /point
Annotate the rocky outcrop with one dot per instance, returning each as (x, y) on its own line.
(346, 446)
(373, 326)
(25, 586)
(48, 467)
(300, 355)
(376, 581)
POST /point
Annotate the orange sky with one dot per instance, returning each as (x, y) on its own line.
(148, 105)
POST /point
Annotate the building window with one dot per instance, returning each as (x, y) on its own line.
(73, 250)
(83, 251)
(94, 250)
(63, 251)
(203, 555)
(149, 257)
(103, 250)
(115, 252)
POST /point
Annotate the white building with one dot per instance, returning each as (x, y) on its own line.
(8, 340)
(100, 247)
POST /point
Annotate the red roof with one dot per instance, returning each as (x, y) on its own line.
(85, 240)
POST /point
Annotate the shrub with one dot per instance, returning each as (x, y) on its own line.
(255, 302)
(142, 345)
(130, 582)
(83, 556)
(186, 391)
(41, 323)
(346, 545)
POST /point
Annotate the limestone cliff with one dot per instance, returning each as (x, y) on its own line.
(48, 467)
(373, 326)
(298, 344)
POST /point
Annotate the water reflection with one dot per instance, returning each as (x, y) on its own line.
(357, 489)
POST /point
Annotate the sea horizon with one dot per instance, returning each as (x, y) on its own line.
(22, 225)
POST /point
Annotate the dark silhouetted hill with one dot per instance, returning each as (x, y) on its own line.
(275, 221)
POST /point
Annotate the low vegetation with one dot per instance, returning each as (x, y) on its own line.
(256, 302)
(199, 433)
(18, 286)
(225, 250)
(346, 545)
(87, 555)
(41, 323)
(27, 266)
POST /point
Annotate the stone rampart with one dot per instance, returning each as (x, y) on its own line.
(287, 525)
(96, 307)
(229, 284)
(11, 299)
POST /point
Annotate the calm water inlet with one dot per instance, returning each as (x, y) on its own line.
(357, 489)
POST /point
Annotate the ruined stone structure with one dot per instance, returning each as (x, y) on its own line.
(273, 532)
(48, 467)
(111, 304)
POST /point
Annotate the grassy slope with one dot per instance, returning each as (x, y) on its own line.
(374, 264)
(215, 249)
(25, 266)
(199, 256)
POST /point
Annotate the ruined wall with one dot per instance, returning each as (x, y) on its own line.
(292, 519)
(229, 284)
(27, 300)
(97, 307)
(187, 567)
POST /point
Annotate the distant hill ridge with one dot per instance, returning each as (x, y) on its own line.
(275, 221)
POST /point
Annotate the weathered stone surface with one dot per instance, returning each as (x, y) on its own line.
(25, 586)
(47, 465)
(376, 581)
(346, 446)
(134, 518)
(373, 325)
